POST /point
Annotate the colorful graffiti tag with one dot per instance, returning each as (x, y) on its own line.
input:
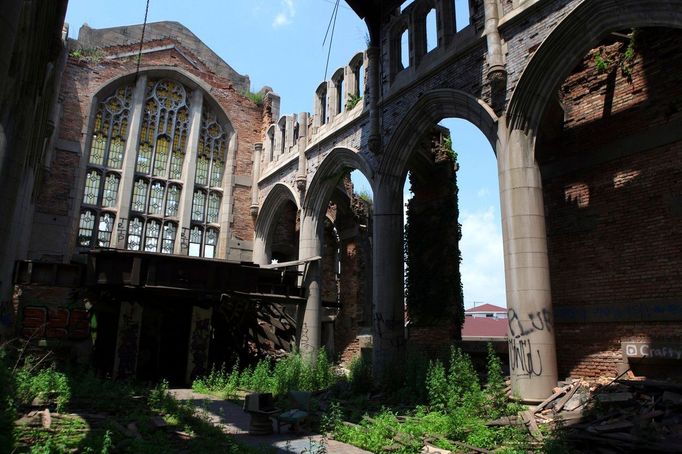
(54, 323)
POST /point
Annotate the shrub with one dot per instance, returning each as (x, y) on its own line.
(495, 386)
(46, 384)
(437, 386)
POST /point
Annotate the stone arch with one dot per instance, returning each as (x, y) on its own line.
(432, 107)
(567, 44)
(185, 77)
(274, 201)
(324, 181)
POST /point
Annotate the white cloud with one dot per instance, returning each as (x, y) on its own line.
(482, 266)
(285, 15)
(483, 192)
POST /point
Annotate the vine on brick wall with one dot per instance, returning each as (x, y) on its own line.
(433, 284)
(623, 59)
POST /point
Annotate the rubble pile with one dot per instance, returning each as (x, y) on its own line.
(631, 415)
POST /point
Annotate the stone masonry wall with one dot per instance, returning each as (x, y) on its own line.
(613, 200)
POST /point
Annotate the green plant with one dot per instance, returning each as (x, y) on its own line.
(366, 196)
(437, 385)
(92, 55)
(258, 98)
(629, 56)
(43, 383)
(601, 62)
(353, 101)
(107, 443)
(495, 386)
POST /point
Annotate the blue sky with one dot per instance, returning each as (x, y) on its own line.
(279, 43)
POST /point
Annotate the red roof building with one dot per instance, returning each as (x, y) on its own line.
(485, 322)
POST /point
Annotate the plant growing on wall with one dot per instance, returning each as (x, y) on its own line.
(353, 101)
(433, 284)
(603, 60)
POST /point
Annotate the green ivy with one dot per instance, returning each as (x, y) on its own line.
(431, 247)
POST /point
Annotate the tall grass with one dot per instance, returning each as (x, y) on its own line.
(292, 373)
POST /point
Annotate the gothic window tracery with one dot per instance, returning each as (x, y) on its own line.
(105, 161)
(148, 188)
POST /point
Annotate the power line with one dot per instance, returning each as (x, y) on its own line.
(139, 53)
(332, 22)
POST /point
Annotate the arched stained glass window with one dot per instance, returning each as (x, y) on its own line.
(210, 243)
(203, 164)
(139, 195)
(150, 191)
(212, 150)
(168, 241)
(86, 226)
(102, 177)
(93, 180)
(213, 209)
(208, 181)
(198, 205)
(156, 198)
(164, 130)
(111, 183)
(151, 236)
(172, 200)
(196, 235)
(161, 157)
(135, 234)
(105, 227)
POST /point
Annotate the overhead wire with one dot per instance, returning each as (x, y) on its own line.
(332, 24)
(139, 52)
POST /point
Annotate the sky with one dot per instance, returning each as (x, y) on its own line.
(278, 43)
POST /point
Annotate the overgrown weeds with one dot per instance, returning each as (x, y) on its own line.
(452, 407)
(292, 373)
(95, 415)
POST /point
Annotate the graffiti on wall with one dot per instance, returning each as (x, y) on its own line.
(54, 323)
(524, 359)
(200, 337)
(128, 338)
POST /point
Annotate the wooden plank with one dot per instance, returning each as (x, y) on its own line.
(550, 399)
(533, 428)
(559, 405)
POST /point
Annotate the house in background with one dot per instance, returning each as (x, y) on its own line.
(486, 323)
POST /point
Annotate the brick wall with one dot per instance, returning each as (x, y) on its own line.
(612, 183)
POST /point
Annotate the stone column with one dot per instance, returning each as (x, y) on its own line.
(257, 153)
(118, 237)
(532, 351)
(372, 90)
(310, 245)
(189, 168)
(388, 272)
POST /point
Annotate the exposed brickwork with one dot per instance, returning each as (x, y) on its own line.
(285, 235)
(58, 187)
(612, 199)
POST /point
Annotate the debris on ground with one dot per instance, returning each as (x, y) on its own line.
(610, 417)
